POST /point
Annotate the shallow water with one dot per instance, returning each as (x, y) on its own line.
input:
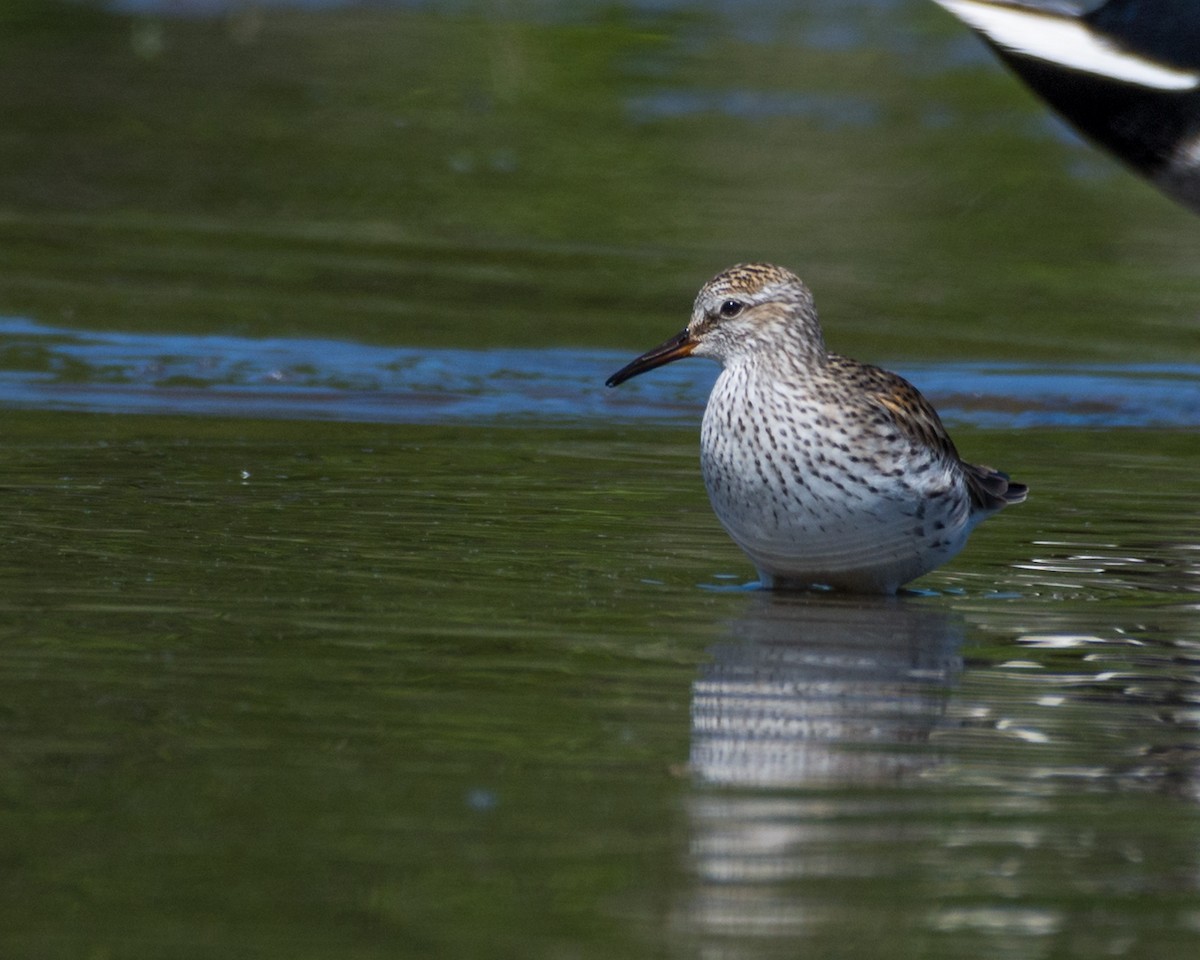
(452, 689)
(346, 613)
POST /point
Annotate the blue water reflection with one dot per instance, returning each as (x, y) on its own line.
(58, 368)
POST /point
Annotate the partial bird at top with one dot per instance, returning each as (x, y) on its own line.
(1125, 73)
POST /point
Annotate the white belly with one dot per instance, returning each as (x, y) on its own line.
(810, 506)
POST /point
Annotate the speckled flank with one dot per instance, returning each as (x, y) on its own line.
(823, 470)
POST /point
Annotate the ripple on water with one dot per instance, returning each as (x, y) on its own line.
(57, 368)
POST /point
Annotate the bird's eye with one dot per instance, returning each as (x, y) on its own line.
(731, 308)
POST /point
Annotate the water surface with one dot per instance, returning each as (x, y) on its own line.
(355, 688)
(345, 613)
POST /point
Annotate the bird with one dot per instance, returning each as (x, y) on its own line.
(828, 473)
(1125, 74)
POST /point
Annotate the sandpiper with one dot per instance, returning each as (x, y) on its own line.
(827, 472)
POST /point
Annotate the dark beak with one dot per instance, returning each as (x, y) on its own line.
(677, 347)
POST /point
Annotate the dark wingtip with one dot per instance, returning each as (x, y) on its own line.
(1015, 493)
(991, 489)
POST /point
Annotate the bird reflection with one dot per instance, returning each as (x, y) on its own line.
(815, 689)
(809, 691)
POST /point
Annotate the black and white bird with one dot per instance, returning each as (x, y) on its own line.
(1125, 73)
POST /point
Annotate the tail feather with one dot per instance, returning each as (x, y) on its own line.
(992, 489)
